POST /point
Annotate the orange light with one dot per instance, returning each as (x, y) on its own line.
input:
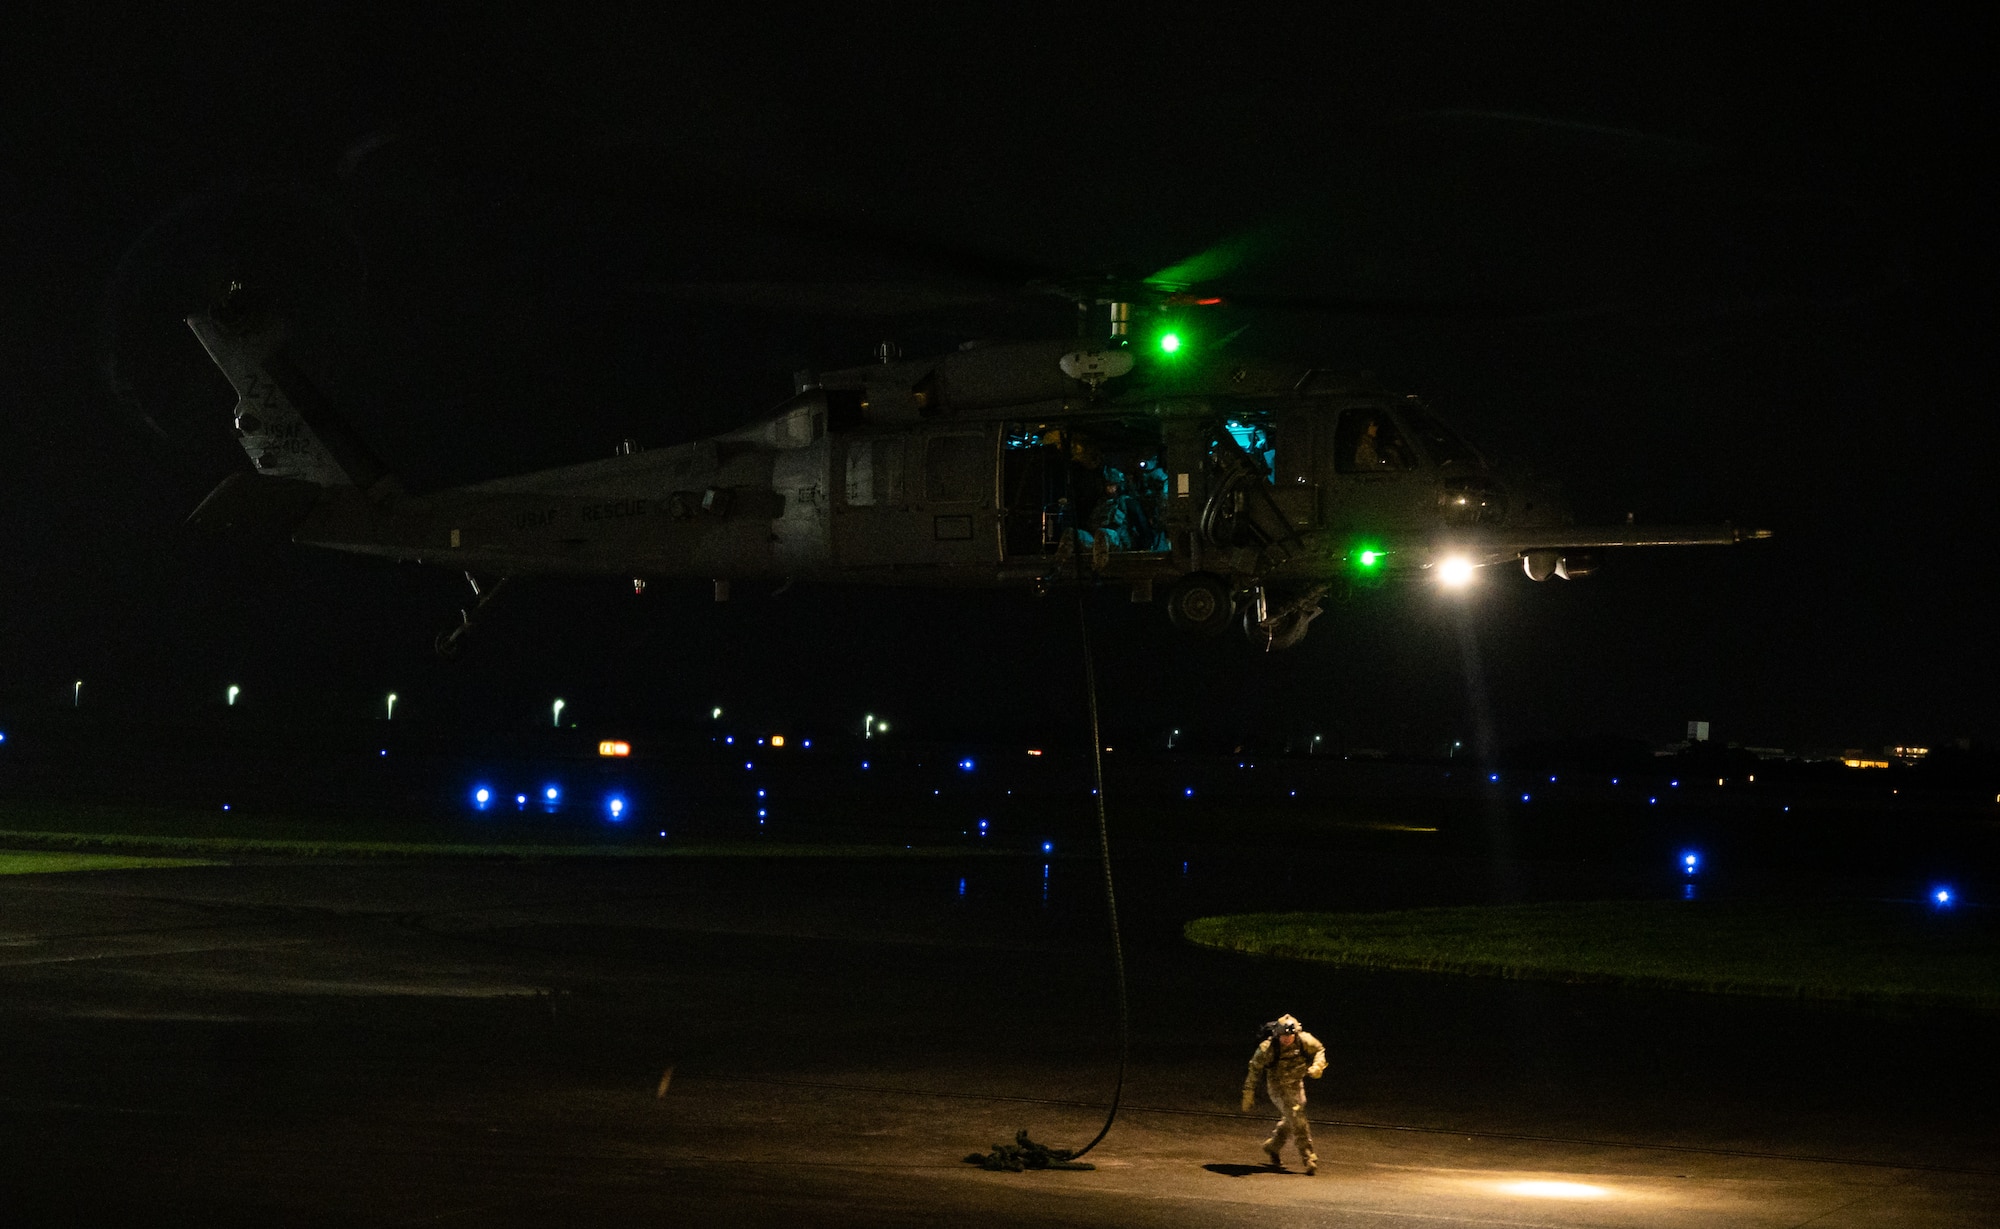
(1034, 753)
(614, 747)
(777, 740)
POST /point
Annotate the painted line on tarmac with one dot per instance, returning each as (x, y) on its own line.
(64, 951)
(1410, 1128)
(25, 1105)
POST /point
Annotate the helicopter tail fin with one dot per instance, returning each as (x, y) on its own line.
(289, 429)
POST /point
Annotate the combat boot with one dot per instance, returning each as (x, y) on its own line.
(1271, 1151)
(1312, 1164)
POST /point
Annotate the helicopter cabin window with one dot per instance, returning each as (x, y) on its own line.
(1254, 438)
(1368, 441)
(874, 471)
(957, 469)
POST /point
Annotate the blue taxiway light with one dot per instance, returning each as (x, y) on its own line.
(481, 796)
(1690, 862)
(1942, 898)
(1652, 802)
(1524, 797)
(1493, 776)
(1188, 792)
(551, 793)
(864, 765)
(617, 808)
(521, 800)
(1048, 847)
(760, 793)
(748, 766)
(965, 765)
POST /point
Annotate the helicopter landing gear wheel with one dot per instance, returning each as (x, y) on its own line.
(1284, 622)
(1199, 603)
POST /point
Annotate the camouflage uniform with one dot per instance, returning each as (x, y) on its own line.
(1284, 1069)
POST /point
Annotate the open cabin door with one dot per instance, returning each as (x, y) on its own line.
(1103, 480)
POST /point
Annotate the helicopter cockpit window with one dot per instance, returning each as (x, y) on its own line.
(1367, 441)
(1447, 448)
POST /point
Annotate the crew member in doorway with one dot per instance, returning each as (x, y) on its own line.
(1284, 1058)
(1148, 490)
(1116, 515)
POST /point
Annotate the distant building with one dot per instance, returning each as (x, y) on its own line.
(1697, 731)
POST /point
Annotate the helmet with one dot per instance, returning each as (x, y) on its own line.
(1280, 1026)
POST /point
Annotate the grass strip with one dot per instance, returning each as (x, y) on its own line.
(1855, 951)
(46, 862)
(327, 848)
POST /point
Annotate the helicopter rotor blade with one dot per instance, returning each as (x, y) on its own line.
(861, 299)
(1471, 214)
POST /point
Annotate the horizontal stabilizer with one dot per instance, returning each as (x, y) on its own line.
(254, 509)
(286, 426)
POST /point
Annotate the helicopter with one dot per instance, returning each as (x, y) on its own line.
(1232, 490)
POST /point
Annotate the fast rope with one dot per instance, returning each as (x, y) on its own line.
(1104, 858)
(1025, 1153)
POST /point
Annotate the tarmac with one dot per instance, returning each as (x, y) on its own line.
(822, 1042)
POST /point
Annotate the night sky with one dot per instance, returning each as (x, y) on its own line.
(1749, 258)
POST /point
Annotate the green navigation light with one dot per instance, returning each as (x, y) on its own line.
(1170, 342)
(1369, 558)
